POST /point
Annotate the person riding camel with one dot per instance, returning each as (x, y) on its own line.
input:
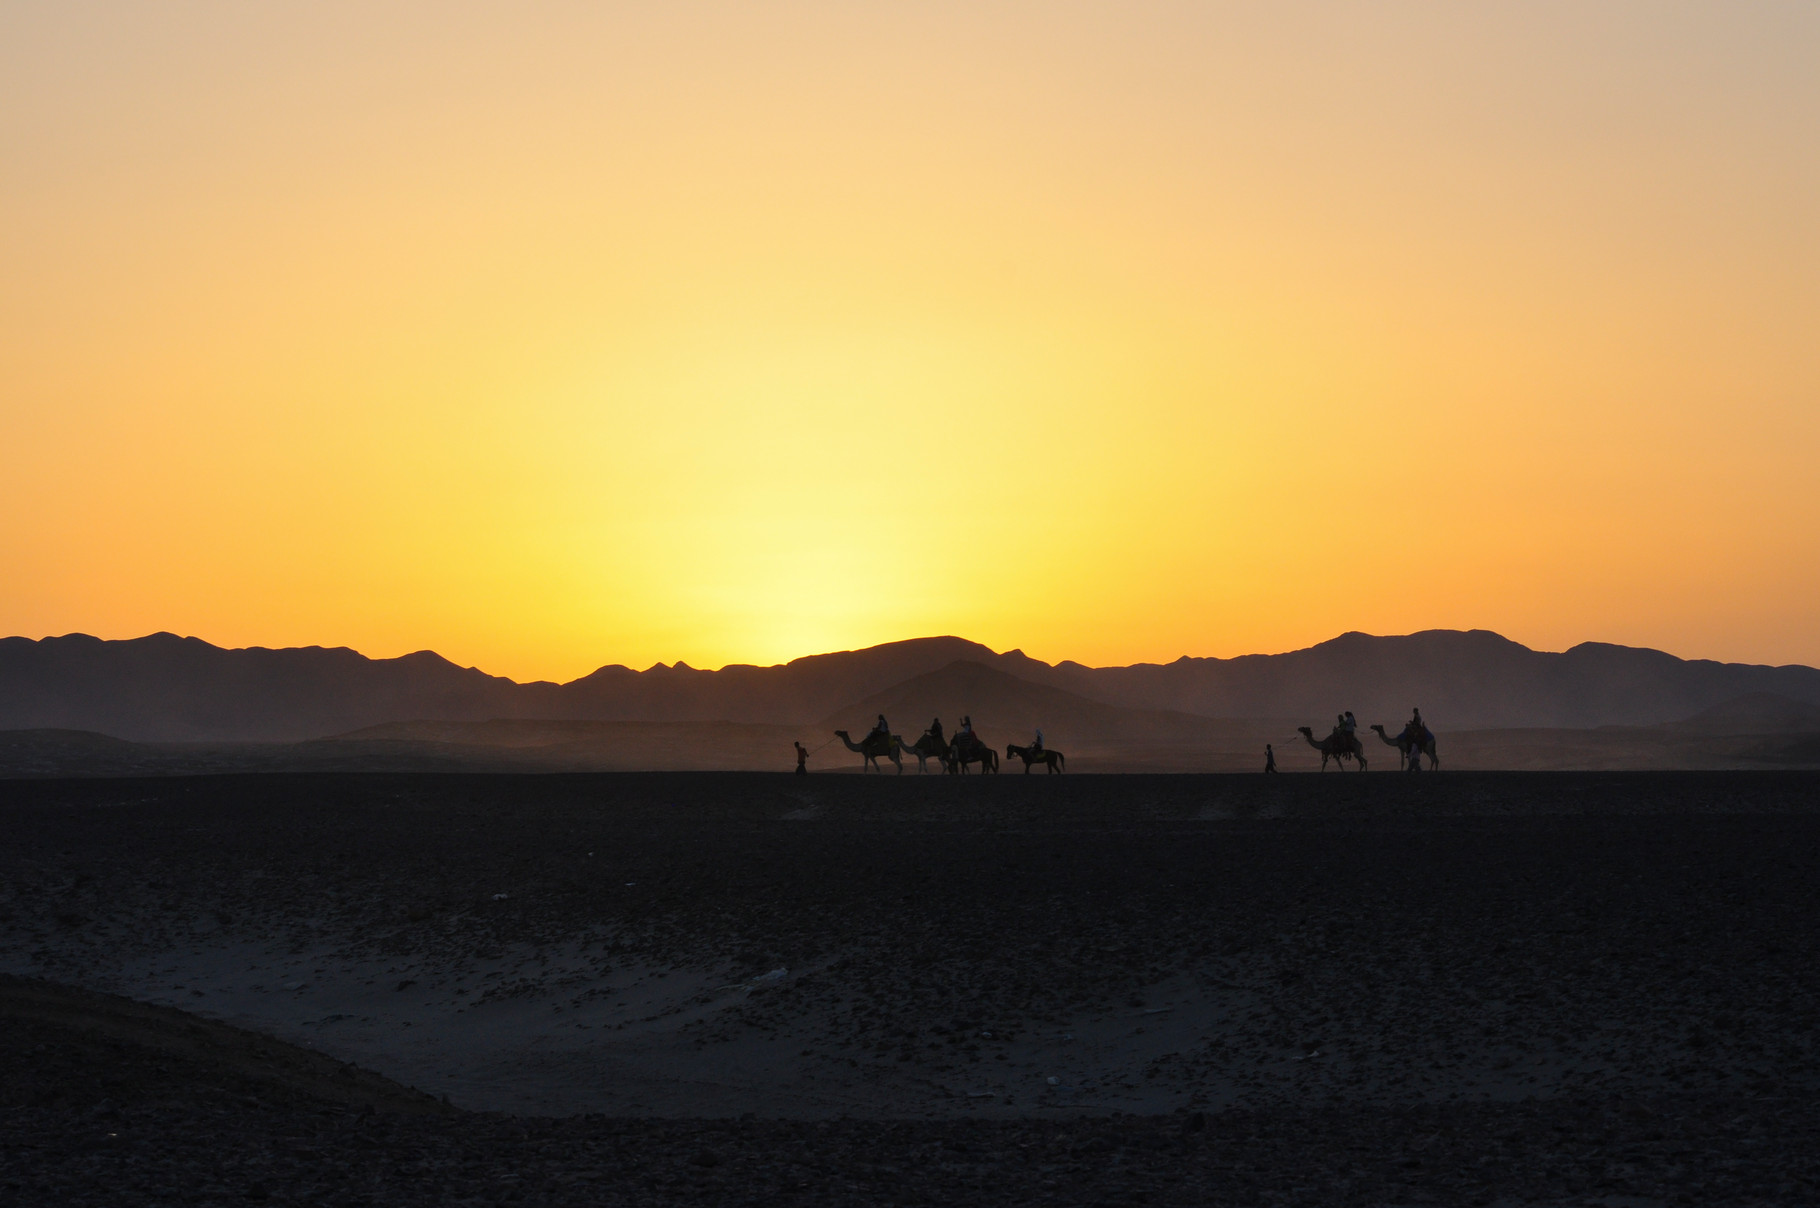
(964, 737)
(1348, 723)
(881, 731)
(1415, 730)
(935, 729)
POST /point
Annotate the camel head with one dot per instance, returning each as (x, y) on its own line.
(1305, 730)
(840, 734)
(1380, 730)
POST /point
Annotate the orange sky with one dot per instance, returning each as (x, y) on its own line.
(548, 336)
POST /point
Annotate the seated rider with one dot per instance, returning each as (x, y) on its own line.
(935, 729)
(1348, 723)
(881, 730)
(1415, 731)
(964, 737)
(1038, 744)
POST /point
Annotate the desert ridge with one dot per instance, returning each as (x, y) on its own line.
(164, 688)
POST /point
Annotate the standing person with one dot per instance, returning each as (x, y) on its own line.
(802, 760)
(1270, 759)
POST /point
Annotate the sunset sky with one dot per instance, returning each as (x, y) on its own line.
(553, 335)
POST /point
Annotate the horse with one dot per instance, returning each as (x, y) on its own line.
(1051, 759)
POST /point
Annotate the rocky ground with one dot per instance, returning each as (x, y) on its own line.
(1493, 988)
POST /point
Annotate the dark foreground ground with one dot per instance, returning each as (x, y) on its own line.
(1075, 990)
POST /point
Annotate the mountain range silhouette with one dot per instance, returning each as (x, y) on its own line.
(165, 688)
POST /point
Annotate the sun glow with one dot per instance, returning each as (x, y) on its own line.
(725, 335)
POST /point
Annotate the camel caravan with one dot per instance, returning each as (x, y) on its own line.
(1413, 742)
(954, 755)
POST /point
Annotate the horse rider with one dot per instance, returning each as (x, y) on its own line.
(1038, 744)
(964, 737)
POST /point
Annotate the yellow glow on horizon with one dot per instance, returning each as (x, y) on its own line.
(732, 334)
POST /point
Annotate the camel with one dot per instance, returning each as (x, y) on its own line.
(1338, 746)
(873, 747)
(1405, 747)
(1051, 759)
(926, 748)
(961, 754)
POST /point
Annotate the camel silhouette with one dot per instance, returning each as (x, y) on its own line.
(875, 746)
(961, 754)
(1338, 746)
(1406, 747)
(926, 748)
(1051, 758)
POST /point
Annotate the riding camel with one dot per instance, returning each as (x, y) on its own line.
(875, 745)
(1407, 748)
(926, 748)
(1043, 755)
(960, 754)
(1338, 746)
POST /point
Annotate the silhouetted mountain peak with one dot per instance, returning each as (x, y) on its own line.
(945, 646)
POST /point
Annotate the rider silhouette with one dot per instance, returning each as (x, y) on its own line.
(935, 729)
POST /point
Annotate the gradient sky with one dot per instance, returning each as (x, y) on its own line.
(547, 336)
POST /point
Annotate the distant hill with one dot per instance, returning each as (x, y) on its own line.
(1006, 709)
(1756, 713)
(1461, 680)
(165, 688)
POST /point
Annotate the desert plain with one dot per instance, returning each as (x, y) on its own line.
(747, 988)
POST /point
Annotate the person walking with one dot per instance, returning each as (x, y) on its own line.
(1270, 759)
(802, 760)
